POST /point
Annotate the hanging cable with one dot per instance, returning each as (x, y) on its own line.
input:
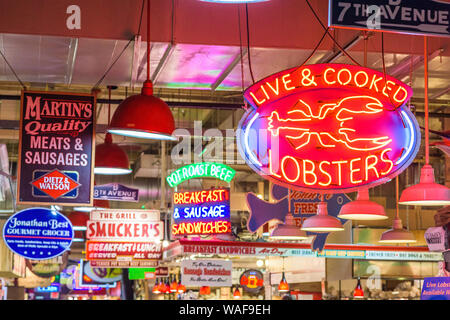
(329, 34)
(121, 53)
(12, 70)
(241, 49)
(315, 48)
(248, 44)
(384, 73)
(148, 40)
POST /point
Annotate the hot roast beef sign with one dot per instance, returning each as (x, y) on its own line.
(56, 153)
(328, 128)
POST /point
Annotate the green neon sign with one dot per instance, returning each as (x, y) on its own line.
(201, 170)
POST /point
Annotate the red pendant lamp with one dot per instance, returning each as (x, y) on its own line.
(157, 288)
(110, 159)
(173, 286)
(205, 290)
(236, 293)
(362, 208)
(288, 231)
(358, 293)
(283, 286)
(322, 222)
(144, 115)
(397, 234)
(427, 192)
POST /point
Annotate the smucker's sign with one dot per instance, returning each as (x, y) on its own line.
(56, 155)
(328, 128)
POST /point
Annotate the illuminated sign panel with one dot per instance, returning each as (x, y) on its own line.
(201, 170)
(201, 212)
(328, 128)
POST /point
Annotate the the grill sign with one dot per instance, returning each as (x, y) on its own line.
(328, 128)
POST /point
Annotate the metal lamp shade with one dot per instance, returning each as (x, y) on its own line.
(362, 208)
(143, 116)
(322, 222)
(110, 159)
(426, 192)
(288, 231)
(397, 234)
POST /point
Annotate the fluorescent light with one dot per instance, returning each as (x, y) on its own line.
(111, 171)
(142, 134)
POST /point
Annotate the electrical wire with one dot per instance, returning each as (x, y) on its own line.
(248, 44)
(13, 71)
(315, 49)
(121, 53)
(241, 49)
(328, 33)
(148, 40)
(112, 64)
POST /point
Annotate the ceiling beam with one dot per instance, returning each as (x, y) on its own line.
(135, 60)
(225, 73)
(440, 93)
(332, 56)
(409, 64)
(162, 62)
(71, 57)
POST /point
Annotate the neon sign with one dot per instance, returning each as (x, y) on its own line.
(201, 170)
(328, 128)
(201, 212)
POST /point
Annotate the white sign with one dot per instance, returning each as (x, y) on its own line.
(125, 225)
(436, 238)
(213, 273)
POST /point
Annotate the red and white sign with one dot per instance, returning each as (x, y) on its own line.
(130, 254)
(124, 238)
(125, 225)
(55, 184)
(213, 273)
(328, 128)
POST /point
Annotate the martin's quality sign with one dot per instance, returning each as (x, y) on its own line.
(424, 17)
(56, 152)
(328, 128)
(38, 233)
(201, 212)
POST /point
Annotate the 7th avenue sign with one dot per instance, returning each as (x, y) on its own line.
(424, 17)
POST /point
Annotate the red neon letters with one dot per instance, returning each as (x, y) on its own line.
(328, 128)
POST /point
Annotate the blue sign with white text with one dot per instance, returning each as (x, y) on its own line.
(436, 288)
(38, 233)
(116, 192)
(424, 17)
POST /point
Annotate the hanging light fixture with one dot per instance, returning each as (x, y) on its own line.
(205, 290)
(427, 192)
(144, 115)
(322, 222)
(234, 1)
(397, 234)
(236, 293)
(173, 286)
(283, 286)
(157, 288)
(358, 293)
(166, 286)
(181, 288)
(109, 157)
(362, 208)
(288, 230)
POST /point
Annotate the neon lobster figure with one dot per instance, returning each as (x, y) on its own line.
(332, 124)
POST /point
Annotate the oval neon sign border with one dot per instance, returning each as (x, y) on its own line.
(244, 140)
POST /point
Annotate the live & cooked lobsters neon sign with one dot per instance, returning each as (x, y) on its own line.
(328, 128)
